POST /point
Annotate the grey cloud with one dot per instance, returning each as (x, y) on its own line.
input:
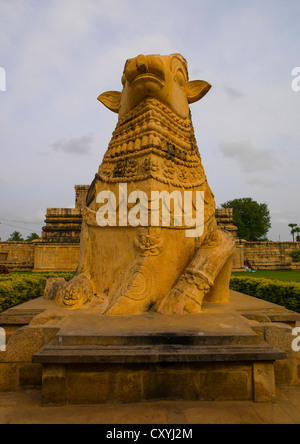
(262, 181)
(79, 146)
(234, 93)
(249, 157)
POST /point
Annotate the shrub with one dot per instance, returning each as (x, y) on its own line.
(295, 255)
(17, 288)
(4, 269)
(278, 292)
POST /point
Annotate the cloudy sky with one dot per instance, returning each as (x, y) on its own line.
(59, 55)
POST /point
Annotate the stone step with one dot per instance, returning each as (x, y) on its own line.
(155, 329)
(53, 354)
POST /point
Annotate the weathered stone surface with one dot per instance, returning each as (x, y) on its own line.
(259, 317)
(171, 384)
(96, 384)
(89, 387)
(29, 375)
(8, 376)
(284, 372)
(222, 384)
(54, 385)
(24, 343)
(43, 318)
(16, 368)
(281, 335)
(264, 382)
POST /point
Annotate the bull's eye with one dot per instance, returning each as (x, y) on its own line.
(179, 77)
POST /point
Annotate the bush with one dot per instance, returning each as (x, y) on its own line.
(17, 288)
(278, 292)
(295, 255)
(4, 269)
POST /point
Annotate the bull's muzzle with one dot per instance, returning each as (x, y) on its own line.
(145, 68)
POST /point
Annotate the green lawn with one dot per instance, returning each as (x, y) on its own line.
(280, 275)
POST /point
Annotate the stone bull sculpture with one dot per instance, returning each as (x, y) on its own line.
(128, 264)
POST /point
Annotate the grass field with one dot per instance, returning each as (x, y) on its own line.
(280, 275)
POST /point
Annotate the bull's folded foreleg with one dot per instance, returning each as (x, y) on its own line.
(211, 267)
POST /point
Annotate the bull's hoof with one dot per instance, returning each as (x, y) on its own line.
(72, 294)
(185, 298)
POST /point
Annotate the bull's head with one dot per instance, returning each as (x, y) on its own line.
(164, 78)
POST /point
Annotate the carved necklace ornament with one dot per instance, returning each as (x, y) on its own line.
(152, 128)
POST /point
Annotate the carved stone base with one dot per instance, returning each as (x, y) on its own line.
(82, 356)
(132, 383)
(157, 357)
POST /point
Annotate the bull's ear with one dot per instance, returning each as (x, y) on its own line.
(112, 100)
(196, 89)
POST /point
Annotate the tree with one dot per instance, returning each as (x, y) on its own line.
(297, 230)
(294, 229)
(32, 237)
(252, 219)
(16, 237)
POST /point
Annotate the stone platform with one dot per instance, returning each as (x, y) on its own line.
(80, 356)
(156, 357)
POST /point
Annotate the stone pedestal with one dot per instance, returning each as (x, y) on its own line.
(227, 352)
(162, 358)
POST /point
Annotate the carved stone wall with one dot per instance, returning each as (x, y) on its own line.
(51, 256)
(17, 256)
(271, 255)
(56, 257)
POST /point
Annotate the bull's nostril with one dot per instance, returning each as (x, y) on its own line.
(142, 68)
(141, 64)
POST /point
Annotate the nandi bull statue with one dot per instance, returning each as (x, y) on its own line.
(149, 237)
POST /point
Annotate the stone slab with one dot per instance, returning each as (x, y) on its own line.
(54, 354)
(155, 328)
(238, 302)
